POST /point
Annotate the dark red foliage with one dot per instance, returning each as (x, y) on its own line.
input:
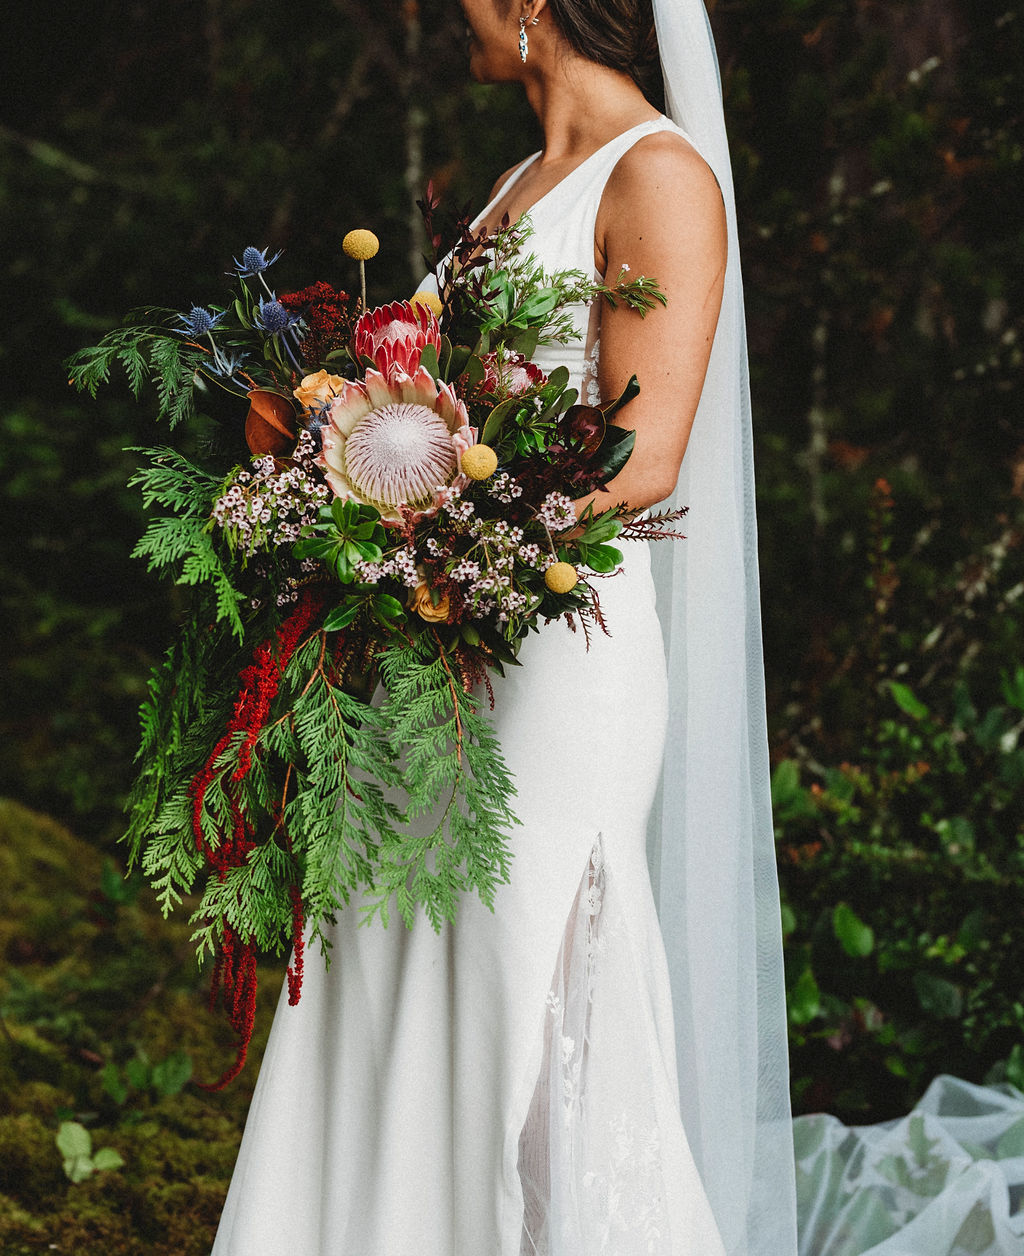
(327, 313)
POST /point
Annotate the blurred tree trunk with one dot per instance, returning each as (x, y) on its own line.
(415, 123)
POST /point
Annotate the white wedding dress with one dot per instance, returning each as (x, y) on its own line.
(506, 1087)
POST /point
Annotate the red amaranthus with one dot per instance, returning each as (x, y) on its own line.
(234, 970)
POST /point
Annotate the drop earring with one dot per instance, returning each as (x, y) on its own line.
(524, 43)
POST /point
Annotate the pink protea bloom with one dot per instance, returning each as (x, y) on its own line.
(394, 442)
(509, 374)
(394, 336)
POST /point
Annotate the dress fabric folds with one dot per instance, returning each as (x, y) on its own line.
(507, 1087)
(945, 1180)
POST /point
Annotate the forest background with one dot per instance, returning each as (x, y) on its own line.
(877, 149)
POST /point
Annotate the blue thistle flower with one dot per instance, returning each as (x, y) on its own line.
(273, 318)
(227, 365)
(254, 261)
(199, 321)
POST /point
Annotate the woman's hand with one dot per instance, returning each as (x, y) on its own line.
(661, 216)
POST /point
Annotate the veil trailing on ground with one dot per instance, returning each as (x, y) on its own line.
(711, 839)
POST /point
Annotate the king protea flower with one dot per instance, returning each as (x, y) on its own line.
(395, 441)
(395, 335)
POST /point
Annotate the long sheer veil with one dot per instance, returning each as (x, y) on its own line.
(711, 839)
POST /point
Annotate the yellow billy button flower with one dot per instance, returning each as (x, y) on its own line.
(429, 300)
(561, 577)
(479, 462)
(361, 245)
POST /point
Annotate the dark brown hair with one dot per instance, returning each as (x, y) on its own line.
(616, 33)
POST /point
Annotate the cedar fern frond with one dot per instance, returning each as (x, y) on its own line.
(183, 540)
(144, 349)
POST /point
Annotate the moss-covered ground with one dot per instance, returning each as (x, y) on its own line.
(101, 1004)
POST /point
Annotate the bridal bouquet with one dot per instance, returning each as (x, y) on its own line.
(389, 512)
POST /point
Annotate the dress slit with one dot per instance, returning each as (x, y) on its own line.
(546, 1144)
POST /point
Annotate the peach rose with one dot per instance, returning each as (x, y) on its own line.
(318, 390)
(423, 605)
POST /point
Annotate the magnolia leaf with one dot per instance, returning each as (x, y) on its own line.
(614, 452)
(496, 418)
(557, 381)
(526, 342)
(458, 360)
(428, 358)
(342, 616)
(631, 390)
(600, 558)
(388, 606)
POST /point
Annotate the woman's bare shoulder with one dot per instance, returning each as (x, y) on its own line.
(660, 183)
(660, 169)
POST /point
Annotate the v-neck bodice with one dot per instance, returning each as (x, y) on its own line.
(564, 220)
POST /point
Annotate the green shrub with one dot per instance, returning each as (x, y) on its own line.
(902, 865)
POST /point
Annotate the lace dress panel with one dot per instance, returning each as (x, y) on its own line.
(590, 1160)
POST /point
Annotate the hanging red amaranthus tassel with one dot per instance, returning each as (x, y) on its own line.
(234, 970)
(295, 968)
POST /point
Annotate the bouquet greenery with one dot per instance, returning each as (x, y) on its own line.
(405, 517)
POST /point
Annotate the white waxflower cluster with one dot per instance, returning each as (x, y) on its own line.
(557, 513)
(265, 507)
(503, 488)
(401, 565)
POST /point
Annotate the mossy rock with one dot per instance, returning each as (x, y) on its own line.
(180, 1216)
(46, 877)
(43, 1100)
(21, 1234)
(28, 1060)
(205, 1149)
(91, 982)
(30, 1164)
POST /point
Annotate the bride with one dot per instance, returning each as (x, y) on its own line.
(594, 1068)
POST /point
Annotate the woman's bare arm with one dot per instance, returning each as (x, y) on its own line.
(662, 216)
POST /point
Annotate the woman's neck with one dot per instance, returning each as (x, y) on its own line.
(581, 105)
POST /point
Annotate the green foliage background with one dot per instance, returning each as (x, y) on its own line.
(878, 155)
